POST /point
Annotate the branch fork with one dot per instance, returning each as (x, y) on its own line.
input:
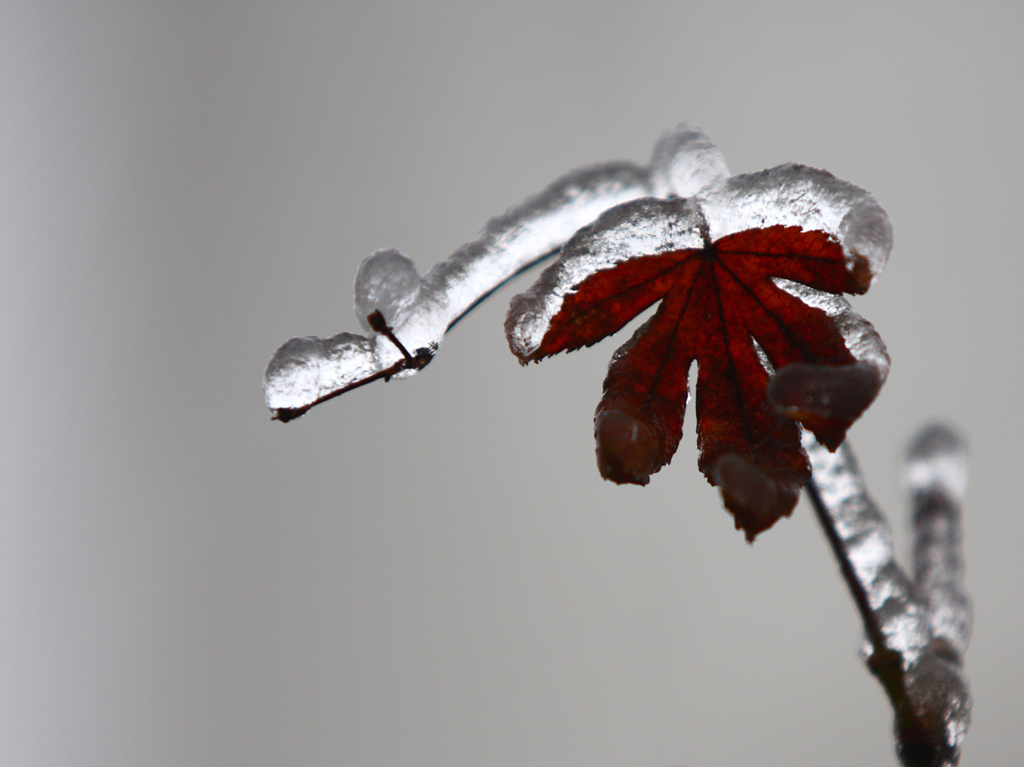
(917, 630)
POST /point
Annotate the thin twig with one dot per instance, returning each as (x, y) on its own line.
(928, 692)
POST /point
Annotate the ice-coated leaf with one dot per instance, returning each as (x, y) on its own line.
(418, 311)
(748, 274)
(812, 199)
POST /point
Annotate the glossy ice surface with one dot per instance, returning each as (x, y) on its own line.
(916, 633)
(689, 195)
(306, 371)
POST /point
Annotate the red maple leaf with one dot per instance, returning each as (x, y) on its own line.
(748, 276)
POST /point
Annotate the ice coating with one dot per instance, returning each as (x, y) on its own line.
(632, 230)
(935, 478)
(796, 195)
(685, 164)
(860, 335)
(918, 669)
(529, 232)
(306, 370)
(707, 260)
(418, 311)
(788, 195)
(901, 622)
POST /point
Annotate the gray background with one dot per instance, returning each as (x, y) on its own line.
(431, 571)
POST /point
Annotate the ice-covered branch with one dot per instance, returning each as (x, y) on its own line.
(916, 632)
(418, 311)
(749, 273)
(935, 477)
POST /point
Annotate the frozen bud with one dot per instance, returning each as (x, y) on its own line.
(684, 162)
(387, 281)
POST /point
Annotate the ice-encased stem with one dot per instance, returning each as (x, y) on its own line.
(419, 311)
(925, 684)
(935, 478)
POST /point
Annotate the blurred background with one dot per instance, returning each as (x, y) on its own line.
(432, 571)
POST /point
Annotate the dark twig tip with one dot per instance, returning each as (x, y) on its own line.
(380, 325)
